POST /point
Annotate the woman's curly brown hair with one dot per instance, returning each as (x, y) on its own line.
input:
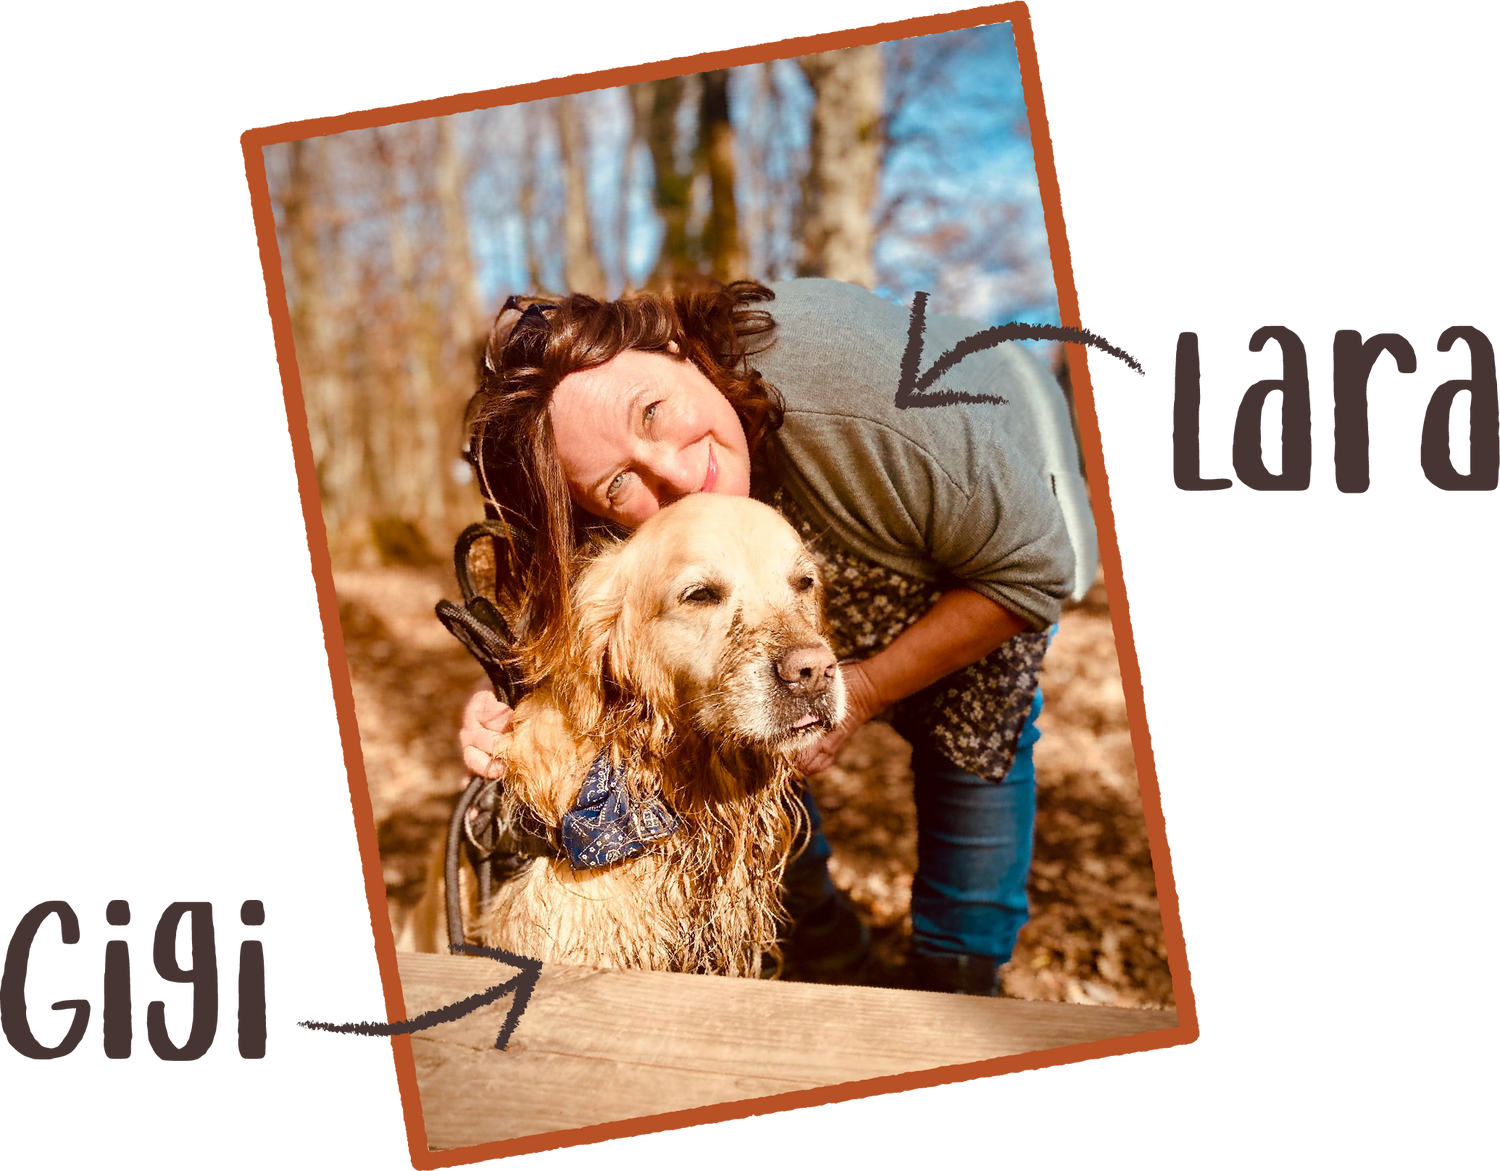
(716, 327)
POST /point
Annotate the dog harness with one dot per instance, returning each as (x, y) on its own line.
(496, 850)
(606, 824)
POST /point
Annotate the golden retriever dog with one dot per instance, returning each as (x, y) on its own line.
(698, 671)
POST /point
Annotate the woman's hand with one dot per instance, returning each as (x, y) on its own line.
(485, 721)
(860, 703)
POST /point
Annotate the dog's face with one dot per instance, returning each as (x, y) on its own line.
(712, 610)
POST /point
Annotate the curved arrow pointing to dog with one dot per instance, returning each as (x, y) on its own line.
(913, 383)
(522, 982)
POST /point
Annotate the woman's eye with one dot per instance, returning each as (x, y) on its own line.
(615, 485)
(703, 596)
(650, 413)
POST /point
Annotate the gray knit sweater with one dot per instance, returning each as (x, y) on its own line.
(987, 494)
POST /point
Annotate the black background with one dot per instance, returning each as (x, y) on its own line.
(1316, 664)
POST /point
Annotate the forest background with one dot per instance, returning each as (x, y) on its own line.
(901, 167)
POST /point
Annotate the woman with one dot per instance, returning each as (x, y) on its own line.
(949, 537)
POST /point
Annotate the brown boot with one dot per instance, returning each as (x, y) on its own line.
(953, 972)
(829, 943)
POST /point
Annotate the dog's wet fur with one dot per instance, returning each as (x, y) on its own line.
(701, 664)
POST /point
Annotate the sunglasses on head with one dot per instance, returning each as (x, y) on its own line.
(526, 343)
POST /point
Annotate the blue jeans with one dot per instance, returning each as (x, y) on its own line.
(973, 854)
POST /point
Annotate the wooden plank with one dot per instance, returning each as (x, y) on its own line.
(603, 1045)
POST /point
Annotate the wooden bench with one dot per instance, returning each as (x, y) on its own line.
(598, 1047)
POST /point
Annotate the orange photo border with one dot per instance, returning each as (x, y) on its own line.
(252, 141)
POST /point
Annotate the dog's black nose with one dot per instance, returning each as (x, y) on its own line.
(807, 669)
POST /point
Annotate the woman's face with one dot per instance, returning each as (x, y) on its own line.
(642, 430)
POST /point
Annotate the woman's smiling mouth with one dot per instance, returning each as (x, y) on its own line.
(712, 476)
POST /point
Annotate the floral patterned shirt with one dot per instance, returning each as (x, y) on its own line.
(972, 717)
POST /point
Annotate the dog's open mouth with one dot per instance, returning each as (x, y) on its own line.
(812, 723)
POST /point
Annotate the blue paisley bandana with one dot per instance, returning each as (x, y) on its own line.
(605, 825)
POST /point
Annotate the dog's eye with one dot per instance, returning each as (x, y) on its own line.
(803, 583)
(703, 596)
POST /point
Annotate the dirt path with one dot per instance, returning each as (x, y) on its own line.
(1095, 934)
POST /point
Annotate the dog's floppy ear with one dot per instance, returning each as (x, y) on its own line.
(598, 602)
(613, 679)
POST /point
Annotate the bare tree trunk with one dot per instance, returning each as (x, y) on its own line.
(783, 170)
(465, 309)
(754, 213)
(656, 105)
(721, 234)
(526, 201)
(408, 476)
(582, 271)
(633, 143)
(336, 456)
(465, 325)
(838, 236)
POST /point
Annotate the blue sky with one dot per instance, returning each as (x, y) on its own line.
(969, 159)
(968, 229)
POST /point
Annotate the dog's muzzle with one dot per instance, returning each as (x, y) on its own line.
(805, 690)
